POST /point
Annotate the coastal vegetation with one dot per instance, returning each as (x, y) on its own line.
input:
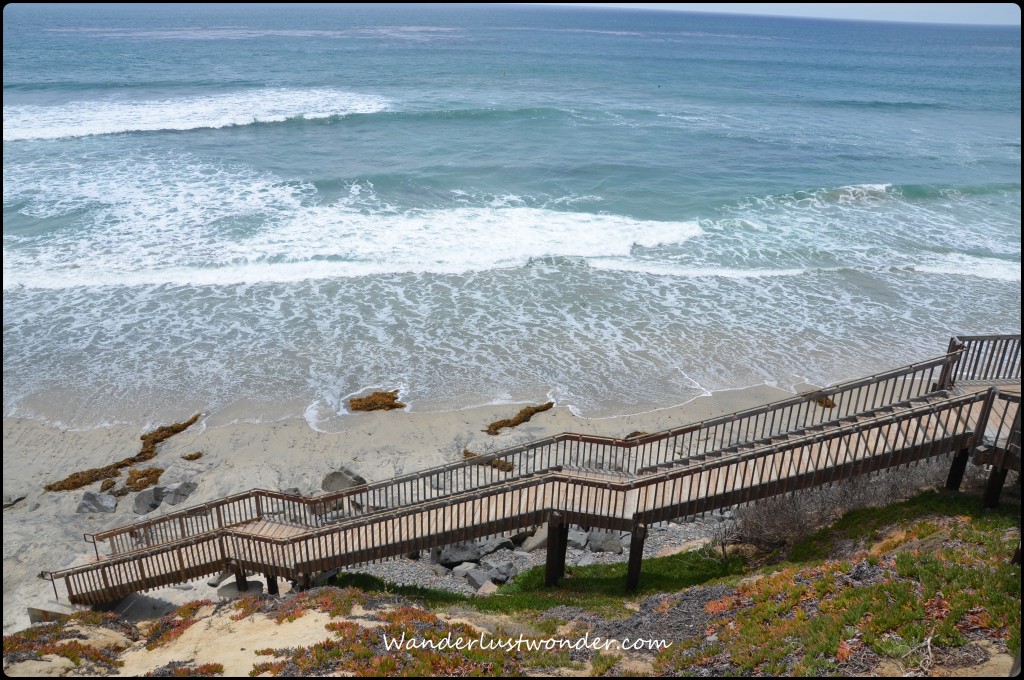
(914, 587)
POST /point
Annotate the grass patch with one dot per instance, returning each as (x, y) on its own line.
(497, 464)
(599, 588)
(377, 401)
(77, 480)
(520, 418)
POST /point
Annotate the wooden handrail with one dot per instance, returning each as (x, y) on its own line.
(785, 414)
(606, 489)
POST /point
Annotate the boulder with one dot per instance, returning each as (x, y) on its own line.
(457, 553)
(477, 577)
(602, 540)
(501, 572)
(487, 589)
(97, 502)
(176, 493)
(586, 560)
(537, 541)
(577, 539)
(439, 569)
(463, 569)
(341, 480)
(148, 500)
(492, 545)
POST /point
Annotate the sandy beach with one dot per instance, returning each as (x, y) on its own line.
(43, 530)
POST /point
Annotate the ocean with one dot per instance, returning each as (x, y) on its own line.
(260, 211)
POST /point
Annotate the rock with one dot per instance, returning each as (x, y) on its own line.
(292, 491)
(501, 572)
(148, 500)
(492, 545)
(414, 555)
(577, 539)
(341, 480)
(602, 540)
(230, 591)
(439, 569)
(520, 537)
(586, 560)
(215, 581)
(463, 569)
(488, 588)
(11, 499)
(182, 586)
(50, 665)
(457, 553)
(176, 493)
(477, 577)
(96, 502)
(537, 541)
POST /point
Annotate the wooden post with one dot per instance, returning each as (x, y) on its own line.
(240, 583)
(272, 584)
(636, 556)
(957, 469)
(557, 541)
(994, 487)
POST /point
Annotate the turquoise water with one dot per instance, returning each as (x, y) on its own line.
(268, 209)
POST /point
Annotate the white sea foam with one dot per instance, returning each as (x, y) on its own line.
(178, 220)
(99, 117)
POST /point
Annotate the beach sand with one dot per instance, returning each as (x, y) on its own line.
(43, 531)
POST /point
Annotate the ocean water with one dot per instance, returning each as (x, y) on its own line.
(263, 210)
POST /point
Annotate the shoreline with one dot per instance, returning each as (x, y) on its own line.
(43, 530)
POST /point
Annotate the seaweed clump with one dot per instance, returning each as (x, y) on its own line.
(143, 479)
(825, 402)
(193, 456)
(107, 485)
(502, 465)
(77, 480)
(376, 402)
(636, 434)
(520, 418)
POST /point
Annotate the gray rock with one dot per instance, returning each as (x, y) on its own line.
(11, 499)
(182, 586)
(463, 569)
(176, 493)
(577, 539)
(342, 479)
(477, 577)
(97, 502)
(492, 545)
(602, 540)
(439, 569)
(457, 553)
(502, 573)
(292, 491)
(537, 541)
(219, 578)
(586, 560)
(148, 500)
(487, 589)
